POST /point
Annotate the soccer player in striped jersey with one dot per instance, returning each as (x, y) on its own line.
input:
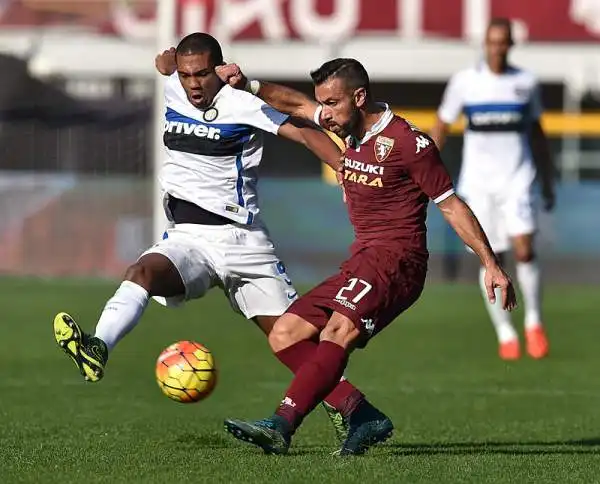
(504, 149)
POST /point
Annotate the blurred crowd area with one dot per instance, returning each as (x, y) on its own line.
(77, 135)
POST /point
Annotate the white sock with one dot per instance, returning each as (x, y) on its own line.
(121, 313)
(500, 318)
(528, 275)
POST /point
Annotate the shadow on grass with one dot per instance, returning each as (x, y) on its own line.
(566, 447)
(590, 446)
(562, 447)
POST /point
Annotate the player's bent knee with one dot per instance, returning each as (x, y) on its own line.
(288, 330)
(524, 255)
(139, 274)
(157, 274)
(340, 330)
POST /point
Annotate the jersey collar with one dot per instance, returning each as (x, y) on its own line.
(385, 119)
(484, 67)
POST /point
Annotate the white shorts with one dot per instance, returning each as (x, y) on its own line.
(503, 216)
(239, 259)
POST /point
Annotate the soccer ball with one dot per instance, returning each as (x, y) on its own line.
(186, 372)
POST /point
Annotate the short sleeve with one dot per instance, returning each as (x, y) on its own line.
(535, 103)
(426, 168)
(174, 91)
(253, 111)
(452, 101)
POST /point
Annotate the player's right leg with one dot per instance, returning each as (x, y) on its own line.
(152, 274)
(491, 219)
(172, 269)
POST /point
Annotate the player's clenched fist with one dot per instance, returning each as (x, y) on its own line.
(232, 75)
(165, 63)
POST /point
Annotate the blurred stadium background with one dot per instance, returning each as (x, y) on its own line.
(77, 139)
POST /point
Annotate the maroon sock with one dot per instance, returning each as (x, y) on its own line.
(315, 379)
(345, 397)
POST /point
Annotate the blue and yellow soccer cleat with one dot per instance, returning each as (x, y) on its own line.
(87, 352)
(269, 434)
(340, 424)
(368, 426)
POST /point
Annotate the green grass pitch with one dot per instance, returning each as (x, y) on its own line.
(461, 414)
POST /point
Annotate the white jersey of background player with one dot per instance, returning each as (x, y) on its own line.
(214, 145)
(504, 150)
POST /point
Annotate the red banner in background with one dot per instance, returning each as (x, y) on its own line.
(315, 20)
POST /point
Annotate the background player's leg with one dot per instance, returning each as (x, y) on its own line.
(492, 220)
(152, 275)
(491, 214)
(508, 340)
(528, 276)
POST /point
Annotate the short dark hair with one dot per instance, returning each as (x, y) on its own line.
(350, 70)
(199, 42)
(504, 23)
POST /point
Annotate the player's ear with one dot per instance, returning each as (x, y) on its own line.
(360, 97)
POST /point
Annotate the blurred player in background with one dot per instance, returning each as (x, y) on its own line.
(391, 171)
(503, 144)
(213, 136)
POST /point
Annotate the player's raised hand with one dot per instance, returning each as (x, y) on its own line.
(495, 277)
(165, 63)
(232, 75)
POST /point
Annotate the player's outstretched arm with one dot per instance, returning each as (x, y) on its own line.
(282, 98)
(422, 159)
(463, 221)
(287, 100)
(303, 132)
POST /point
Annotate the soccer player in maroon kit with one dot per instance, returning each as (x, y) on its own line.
(391, 171)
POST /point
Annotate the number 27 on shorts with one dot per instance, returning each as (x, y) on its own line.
(354, 291)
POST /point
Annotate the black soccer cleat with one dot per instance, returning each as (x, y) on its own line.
(269, 434)
(368, 426)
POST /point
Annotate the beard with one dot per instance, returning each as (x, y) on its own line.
(351, 126)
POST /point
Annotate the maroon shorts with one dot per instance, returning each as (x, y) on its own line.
(374, 286)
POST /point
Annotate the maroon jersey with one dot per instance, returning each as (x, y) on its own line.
(389, 179)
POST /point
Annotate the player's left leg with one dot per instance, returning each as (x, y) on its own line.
(521, 219)
(529, 279)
